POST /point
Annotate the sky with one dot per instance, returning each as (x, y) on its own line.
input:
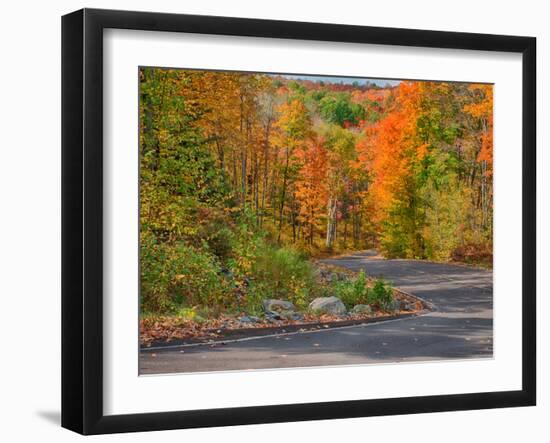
(348, 80)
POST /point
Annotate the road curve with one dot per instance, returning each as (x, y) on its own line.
(460, 327)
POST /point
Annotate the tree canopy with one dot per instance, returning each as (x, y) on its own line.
(234, 162)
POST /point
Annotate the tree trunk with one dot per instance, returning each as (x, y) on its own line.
(283, 194)
(345, 232)
(331, 222)
(266, 162)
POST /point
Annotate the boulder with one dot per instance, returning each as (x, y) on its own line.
(361, 309)
(328, 305)
(277, 306)
(270, 315)
(278, 309)
(285, 315)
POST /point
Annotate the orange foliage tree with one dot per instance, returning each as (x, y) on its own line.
(311, 185)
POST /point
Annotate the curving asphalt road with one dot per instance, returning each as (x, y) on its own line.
(460, 327)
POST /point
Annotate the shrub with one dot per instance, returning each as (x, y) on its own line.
(282, 273)
(175, 275)
(381, 294)
(247, 244)
(352, 292)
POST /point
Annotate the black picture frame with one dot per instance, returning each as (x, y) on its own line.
(82, 218)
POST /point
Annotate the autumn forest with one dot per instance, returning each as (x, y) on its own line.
(246, 178)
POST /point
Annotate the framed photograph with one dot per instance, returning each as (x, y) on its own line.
(269, 221)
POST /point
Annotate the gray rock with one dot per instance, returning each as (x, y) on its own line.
(276, 319)
(273, 317)
(396, 305)
(361, 309)
(403, 305)
(328, 305)
(270, 315)
(286, 315)
(335, 276)
(249, 319)
(273, 305)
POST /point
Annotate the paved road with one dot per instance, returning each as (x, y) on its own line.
(460, 327)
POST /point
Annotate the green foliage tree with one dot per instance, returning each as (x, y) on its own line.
(337, 108)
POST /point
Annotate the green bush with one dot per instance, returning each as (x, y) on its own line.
(215, 232)
(352, 292)
(282, 273)
(247, 244)
(174, 275)
(381, 294)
